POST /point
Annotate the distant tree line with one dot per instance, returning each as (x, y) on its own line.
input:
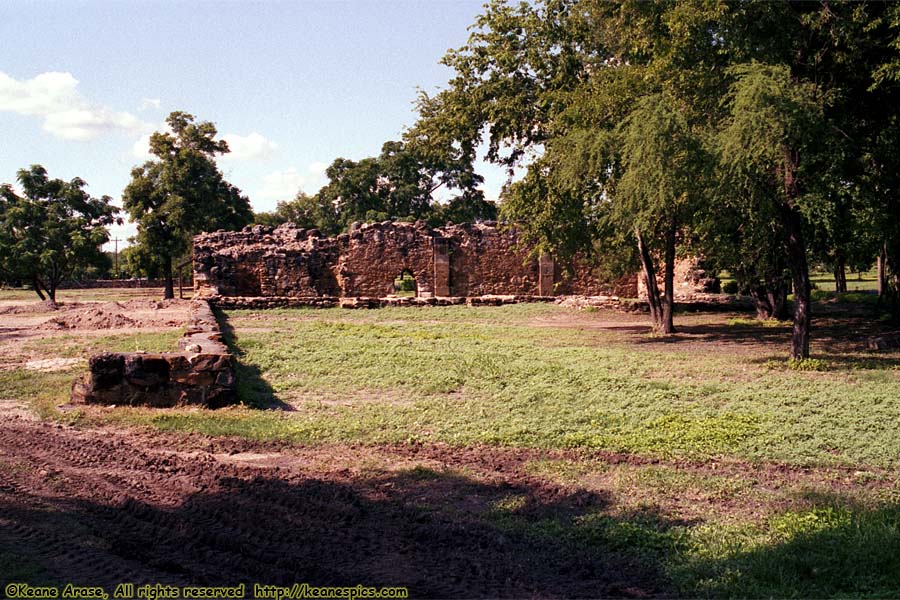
(55, 231)
(399, 184)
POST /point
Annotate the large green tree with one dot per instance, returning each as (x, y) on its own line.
(182, 192)
(54, 229)
(586, 93)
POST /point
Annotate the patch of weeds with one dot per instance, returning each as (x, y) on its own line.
(75, 346)
(672, 481)
(564, 471)
(510, 504)
(14, 468)
(766, 323)
(642, 534)
(43, 391)
(822, 552)
(858, 297)
(676, 434)
(807, 364)
(420, 473)
(797, 364)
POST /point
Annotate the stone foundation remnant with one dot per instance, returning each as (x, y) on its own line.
(201, 373)
(293, 266)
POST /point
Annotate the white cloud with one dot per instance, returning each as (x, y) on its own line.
(88, 123)
(253, 146)
(141, 148)
(284, 184)
(249, 147)
(66, 113)
(150, 103)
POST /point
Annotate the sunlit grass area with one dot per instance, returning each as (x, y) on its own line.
(709, 456)
(512, 376)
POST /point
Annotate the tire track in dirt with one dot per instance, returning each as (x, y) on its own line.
(104, 506)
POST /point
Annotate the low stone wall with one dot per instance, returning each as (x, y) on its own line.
(265, 302)
(89, 284)
(201, 373)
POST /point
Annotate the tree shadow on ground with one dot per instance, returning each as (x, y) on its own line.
(252, 389)
(721, 333)
(439, 534)
(193, 520)
(831, 549)
(841, 340)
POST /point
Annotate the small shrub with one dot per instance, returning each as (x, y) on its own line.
(730, 287)
(807, 364)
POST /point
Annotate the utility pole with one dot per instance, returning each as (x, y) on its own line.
(116, 240)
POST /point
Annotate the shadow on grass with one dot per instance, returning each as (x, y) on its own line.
(841, 340)
(720, 333)
(836, 361)
(252, 389)
(442, 535)
(829, 550)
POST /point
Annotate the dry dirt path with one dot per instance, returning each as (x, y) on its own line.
(104, 506)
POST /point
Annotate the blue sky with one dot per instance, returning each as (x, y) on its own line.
(290, 85)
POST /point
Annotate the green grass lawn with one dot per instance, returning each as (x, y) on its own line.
(594, 385)
(497, 376)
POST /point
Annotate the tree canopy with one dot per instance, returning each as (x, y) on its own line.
(662, 121)
(182, 192)
(400, 183)
(54, 229)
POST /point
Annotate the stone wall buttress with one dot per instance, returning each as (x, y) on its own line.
(546, 269)
(441, 247)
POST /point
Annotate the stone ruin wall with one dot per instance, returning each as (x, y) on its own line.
(467, 260)
(201, 373)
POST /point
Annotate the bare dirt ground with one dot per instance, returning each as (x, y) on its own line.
(99, 506)
(24, 322)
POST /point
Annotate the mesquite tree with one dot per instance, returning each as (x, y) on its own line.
(182, 192)
(54, 228)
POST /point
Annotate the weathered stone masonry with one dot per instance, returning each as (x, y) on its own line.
(468, 260)
(202, 372)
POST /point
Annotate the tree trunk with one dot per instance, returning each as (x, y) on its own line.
(649, 272)
(892, 281)
(882, 272)
(36, 285)
(778, 298)
(840, 274)
(895, 296)
(796, 253)
(170, 285)
(793, 227)
(762, 302)
(668, 303)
